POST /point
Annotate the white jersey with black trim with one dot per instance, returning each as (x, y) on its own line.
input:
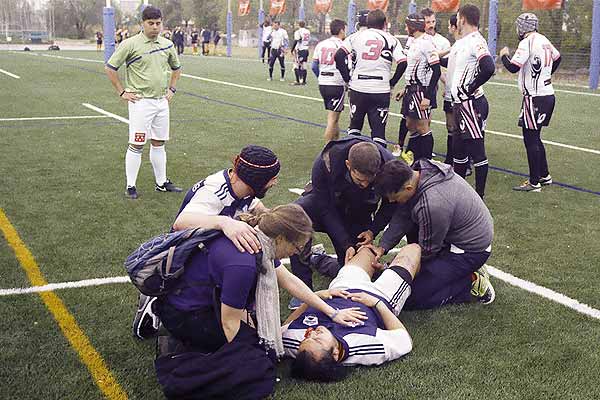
(420, 57)
(535, 56)
(279, 38)
(266, 33)
(373, 52)
(324, 53)
(302, 38)
(465, 56)
(214, 196)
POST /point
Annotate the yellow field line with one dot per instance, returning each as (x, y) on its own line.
(76, 337)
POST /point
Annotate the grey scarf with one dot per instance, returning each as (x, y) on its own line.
(267, 298)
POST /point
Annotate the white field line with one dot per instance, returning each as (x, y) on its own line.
(495, 272)
(53, 118)
(10, 74)
(510, 135)
(487, 83)
(106, 113)
(65, 285)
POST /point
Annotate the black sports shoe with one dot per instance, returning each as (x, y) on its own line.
(546, 180)
(131, 192)
(168, 186)
(146, 322)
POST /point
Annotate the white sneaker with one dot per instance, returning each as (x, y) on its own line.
(281, 80)
(269, 79)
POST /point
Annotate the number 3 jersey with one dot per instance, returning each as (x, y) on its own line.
(535, 57)
(324, 53)
(373, 53)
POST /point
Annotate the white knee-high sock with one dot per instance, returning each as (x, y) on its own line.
(158, 158)
(133, 160)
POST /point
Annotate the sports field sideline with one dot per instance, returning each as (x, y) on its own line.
(62, 193)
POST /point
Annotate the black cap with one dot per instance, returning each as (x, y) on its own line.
(361, 17)
(416, 22)
(256, 166)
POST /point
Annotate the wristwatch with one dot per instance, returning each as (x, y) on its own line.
(172, 89)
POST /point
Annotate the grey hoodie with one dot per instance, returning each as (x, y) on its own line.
(445, 209)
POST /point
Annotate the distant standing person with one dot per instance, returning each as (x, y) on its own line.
(279, 45)
(194, 38)
(99, 37)
(216, 39)
(205, 41)
(178, 40)
(300, 50)
(535, 59)
(150, 59)
(266, 40)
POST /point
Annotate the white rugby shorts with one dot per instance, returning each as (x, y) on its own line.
(148, 119)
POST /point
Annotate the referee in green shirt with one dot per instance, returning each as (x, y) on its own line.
(152, 70)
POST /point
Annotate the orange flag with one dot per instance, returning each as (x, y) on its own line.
(542, 4)
(243, 7)
(277, 7)
(445, 5)
(323, 6)
(378, 5)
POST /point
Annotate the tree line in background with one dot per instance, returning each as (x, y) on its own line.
(569, 28)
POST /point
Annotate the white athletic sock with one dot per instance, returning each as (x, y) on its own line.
(158, 158)
(133, 160)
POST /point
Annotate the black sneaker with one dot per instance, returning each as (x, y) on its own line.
(131, 192)
(168, 186)
(146, 322)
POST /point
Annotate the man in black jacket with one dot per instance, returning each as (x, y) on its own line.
(342, 201)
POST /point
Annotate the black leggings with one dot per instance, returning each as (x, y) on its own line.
(536, 155)
(266, 48)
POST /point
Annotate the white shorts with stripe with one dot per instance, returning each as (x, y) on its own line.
(389, 285)
(148, 119)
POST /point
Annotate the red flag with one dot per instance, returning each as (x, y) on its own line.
(277, 7)
(323, 6)
(542, 4)
(445, 5)
(243, 7)
(378, 5)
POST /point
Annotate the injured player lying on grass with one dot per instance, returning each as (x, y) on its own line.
(322, 349)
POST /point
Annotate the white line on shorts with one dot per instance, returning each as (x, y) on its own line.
(510, 135)
(53, 118)
(10, 74)
(104, 112)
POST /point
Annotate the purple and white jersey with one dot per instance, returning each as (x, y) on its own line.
(324, 53)
(368, 344)
(535, 56)
(374, 52)
(214, 196)
(420, 57)
(465, 56)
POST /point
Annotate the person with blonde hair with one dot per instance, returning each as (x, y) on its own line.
(223, 287)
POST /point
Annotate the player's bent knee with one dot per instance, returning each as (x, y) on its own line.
(409, 258)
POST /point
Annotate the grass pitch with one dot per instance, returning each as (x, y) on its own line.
(63, 184)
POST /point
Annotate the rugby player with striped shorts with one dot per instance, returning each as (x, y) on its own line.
(331, 83)
(535, 59)
(422, 74)
(472, 66)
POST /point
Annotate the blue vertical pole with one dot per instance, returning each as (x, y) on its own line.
(595, 53)
(229, 30)
(412, 7)
(261, 20)
(301, 11)
(108, 27)
(493, 28)
(351, 17)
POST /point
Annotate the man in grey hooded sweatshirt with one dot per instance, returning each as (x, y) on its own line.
(454, 228)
